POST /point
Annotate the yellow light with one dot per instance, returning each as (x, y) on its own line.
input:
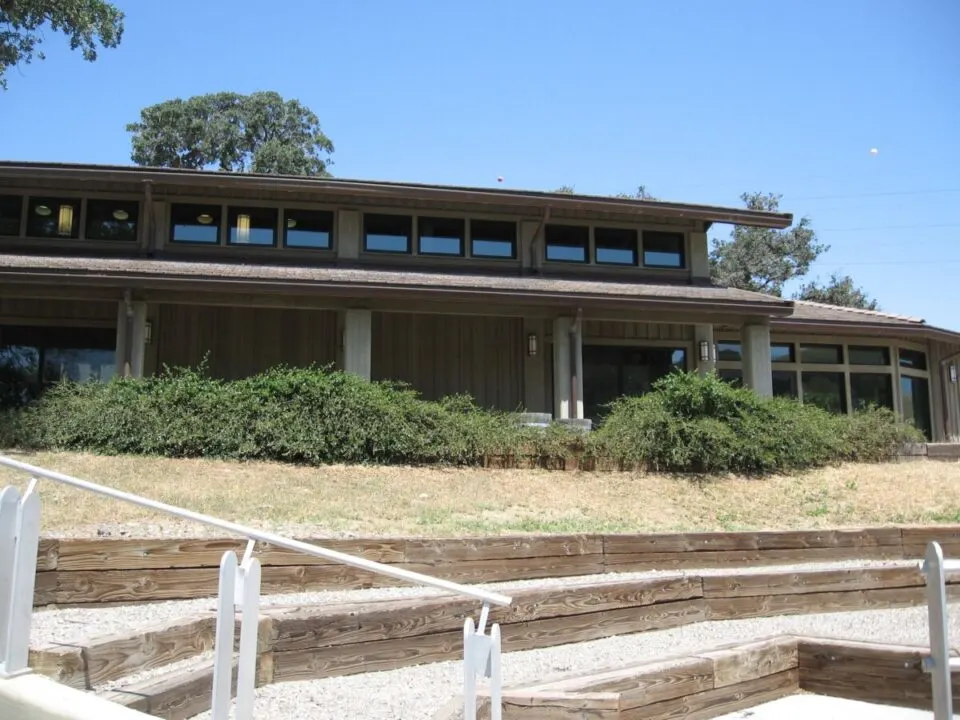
(65, 221)
(243, 228)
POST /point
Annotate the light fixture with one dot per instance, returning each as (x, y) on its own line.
(204, 218)
(953, 373)
(704, 351)
(243, 229)
(532, 344)
(42, 210)
(147, 332)
(291, 222)
(120, 214)
(65, 220)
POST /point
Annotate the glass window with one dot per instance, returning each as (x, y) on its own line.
(493, 239)
(440, 236)
(728, 351)
(913, 359)
(871, 389)
(785, 383)
(821, 354)
(567, 243)
(112, 220)
(663, 249)
(915, 396)
(53, 218)
(734, 377)
(782, 353)
(387, 233)
(826, 390)
(195, 224)
(252, 226)
(308, 229)
(615, 246)
(868, 355)
(10, 207)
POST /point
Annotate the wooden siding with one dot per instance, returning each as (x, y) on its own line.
(610, 330)
(445, 354)
(948, 399)
(244, 341)
(35, 311)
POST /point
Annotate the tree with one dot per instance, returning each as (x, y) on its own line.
(640, 194)
(840, 290)
(764, 259)
(260, 133)
(87, 23)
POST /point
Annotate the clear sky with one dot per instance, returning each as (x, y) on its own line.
(698, 100)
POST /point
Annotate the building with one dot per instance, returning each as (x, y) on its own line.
(550, 302)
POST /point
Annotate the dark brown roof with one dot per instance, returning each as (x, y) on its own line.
(816, 315)
(13, 170)
(220, 276)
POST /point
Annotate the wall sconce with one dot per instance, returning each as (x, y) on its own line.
(147, 332)
(704, 351)
(532, 344)
(953, 373)
(65, 220)
(243, 229)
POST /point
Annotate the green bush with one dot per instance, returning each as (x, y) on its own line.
(317, 416)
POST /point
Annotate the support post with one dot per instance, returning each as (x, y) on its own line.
(131, 338)
(481, 656)
(577, 349)
(248, 592)
(19, 539)
(757, 368)
(223, 644)
(357, 334)
(562, 370)
(938, 662)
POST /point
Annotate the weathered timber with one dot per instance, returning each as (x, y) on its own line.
(762, 540)
(805, 581)
(48, 553)
(636, 562)
(748, 661)
(176, 695)
(721, 608)
(556, 706)
(45, 588)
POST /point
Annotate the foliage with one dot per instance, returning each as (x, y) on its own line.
(764, 259)
(640, 194)
(260, 132)
(87, 24)
(840, 290)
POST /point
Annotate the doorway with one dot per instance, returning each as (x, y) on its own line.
(614, 371)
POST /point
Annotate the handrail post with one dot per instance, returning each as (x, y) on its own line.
(938, 662)
(481, 656)
(223, 644)
(249, 600)
(19, 540)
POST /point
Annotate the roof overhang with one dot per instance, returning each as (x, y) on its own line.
(332, 187)
(867, 328)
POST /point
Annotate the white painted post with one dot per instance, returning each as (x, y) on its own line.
(481, 656)
(15, 659)
(938, 664)
(496, 678)
(469, 672)
(9, 513)
(249, 627)
(223, 647)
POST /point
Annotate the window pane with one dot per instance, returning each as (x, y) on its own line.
(10, 206)
(615, 246)
(112, 220)
(493, 238)
(308, 228)
(868, 355)
(734, 377)
(781, 353)
(53, 218)
(678, 359)
(663, 249)
(729, 351)
(195, 224)
(915, 395)
(440, 236)
(785, 383)
(19, 375)
(252, 226)
(913, 359)
(387, 233)
(78, 364)
(567, 243)
(871, 389)
(821, 354)
(826, 390)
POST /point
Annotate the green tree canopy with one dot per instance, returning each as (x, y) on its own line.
(764, 259)
(87, 23)
(260, 132)
(640, 194)
(839, 290)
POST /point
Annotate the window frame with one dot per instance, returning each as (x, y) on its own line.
(228, 213)
(22, 215)
(514, 244)
(684, 249)
(595, 246)
(587, 259)
(418, 233)
(79, 219)
(396, 253)
(295, 207)
(220, 225)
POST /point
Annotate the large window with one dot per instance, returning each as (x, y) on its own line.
(387, 233)
(815, 354)
(782, 353)
(493, 239)
(729, 351)
(868, 355)
(825, 389)
(614, 371)
(615, 246)
(195, 224)
(785, 384)
(10, 208)
(252, 226)
(308, 229)
(915, 397)
(440, 236)
(112, 220)
(871, 389)
(913, 359)
(567, 243)
(53, 218)
(663, 249)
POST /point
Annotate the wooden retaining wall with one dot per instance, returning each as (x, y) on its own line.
(107, 570)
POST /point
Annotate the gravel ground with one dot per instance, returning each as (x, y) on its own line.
(75, 625)
(416, 693)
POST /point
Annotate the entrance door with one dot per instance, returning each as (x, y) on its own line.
(614, 371)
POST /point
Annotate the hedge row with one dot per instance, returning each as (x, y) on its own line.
(317, 416)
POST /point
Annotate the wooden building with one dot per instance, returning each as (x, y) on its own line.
(548, 302)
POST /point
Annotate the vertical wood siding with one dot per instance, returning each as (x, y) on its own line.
(951, 392)
(445, 354)
(244, 341)
(610, 330)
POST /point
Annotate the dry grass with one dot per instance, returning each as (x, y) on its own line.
(417, 501)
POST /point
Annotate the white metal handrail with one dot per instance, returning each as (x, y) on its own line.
(239, 587)
(939, 663)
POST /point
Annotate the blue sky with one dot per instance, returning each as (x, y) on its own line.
(698, 100)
